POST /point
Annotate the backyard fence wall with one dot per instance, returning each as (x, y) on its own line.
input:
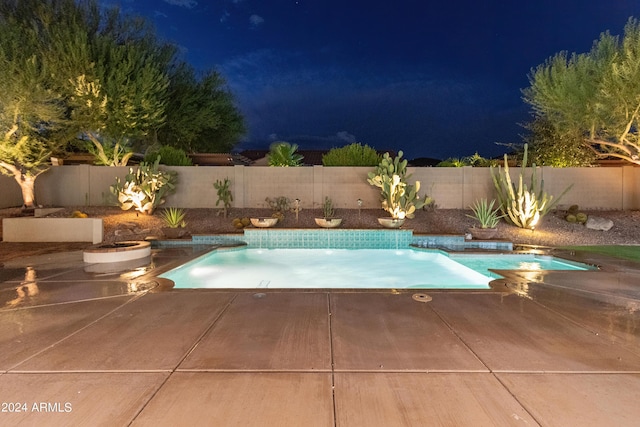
(451, 188)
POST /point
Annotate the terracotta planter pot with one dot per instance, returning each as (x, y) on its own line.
(173, 233)
(483, 233)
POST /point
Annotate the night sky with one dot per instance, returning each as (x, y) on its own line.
(432, 79)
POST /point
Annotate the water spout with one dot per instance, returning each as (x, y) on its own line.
(359, 210)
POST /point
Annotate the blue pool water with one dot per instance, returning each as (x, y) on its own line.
(350, 269)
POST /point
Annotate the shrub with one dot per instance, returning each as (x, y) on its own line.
(169, 156)
(351, 155)
(475, 160)
(451, 162)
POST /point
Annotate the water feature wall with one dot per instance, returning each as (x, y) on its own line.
(321, 239)
(270, 238)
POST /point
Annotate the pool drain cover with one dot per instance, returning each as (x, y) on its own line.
(421, 297)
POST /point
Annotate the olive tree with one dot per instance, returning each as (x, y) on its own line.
(595, 95)
(31, 109)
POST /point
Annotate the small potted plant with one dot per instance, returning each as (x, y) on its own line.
(328, 220)
(174, 223)
(487, 217)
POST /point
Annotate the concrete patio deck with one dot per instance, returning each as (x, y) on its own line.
(93, 345)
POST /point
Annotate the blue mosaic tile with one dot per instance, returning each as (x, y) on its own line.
(345, 239)
(335, 239)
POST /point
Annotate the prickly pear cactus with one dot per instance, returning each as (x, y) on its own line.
(398, 197)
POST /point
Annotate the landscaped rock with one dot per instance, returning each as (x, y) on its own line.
(597, 223)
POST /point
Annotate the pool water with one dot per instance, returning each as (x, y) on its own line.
(344, 268)
(529, 262)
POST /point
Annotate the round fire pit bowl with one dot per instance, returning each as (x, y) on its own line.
(116, 252)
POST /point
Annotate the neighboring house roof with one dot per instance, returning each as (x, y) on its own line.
(219, 159)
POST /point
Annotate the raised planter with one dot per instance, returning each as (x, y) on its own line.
(30, 229)
(117, 252)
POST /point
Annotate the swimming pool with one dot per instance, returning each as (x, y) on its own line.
(350, 269)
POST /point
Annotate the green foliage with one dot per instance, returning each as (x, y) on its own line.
(201, 115)
(475, 160)
(327, 208)
(144, 189)
(109, 153)
(451, 162)
(284, 154)
(280, 205)
(595, 95)
(351, 155)
(398, 197)
(485, 214)
(630, 252)
(71, 69)
(174, 217)
(169, 156)
(31, 111)
(549, 147)
(224, 194)
(523, 206)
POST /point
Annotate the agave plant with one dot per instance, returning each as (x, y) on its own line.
(485, 214)
(174, 217)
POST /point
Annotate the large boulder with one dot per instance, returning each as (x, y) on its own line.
(598, 223)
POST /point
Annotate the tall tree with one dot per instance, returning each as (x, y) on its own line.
(201, 115)
(595, 94)
(72, 70)
(31, 109)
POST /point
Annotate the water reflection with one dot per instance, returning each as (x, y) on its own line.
(28, 288)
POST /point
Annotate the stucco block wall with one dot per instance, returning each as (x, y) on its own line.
(195, 186)
(10, 194)
(452, 188)
(261, 182)
(593, 188)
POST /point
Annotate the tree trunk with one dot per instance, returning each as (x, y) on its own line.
(27, 185)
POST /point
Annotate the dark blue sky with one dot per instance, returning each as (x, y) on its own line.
(432, 79)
